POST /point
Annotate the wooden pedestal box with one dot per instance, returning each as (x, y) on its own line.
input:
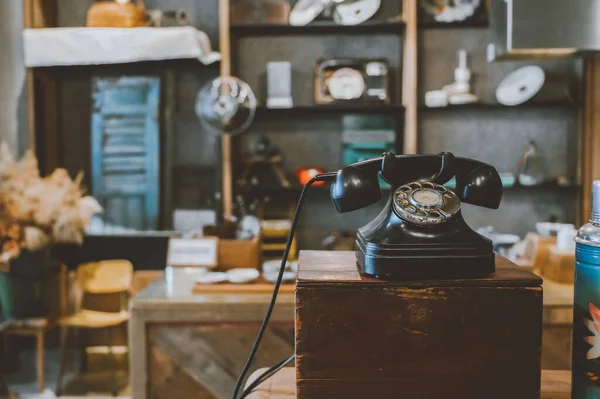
(360, 338)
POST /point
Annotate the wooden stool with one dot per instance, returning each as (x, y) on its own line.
(104, 277)
(34, 328)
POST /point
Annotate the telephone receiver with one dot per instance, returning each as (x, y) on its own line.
(357, 186)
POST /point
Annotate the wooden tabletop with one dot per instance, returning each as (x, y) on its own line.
(555, 385)
(178, 291)
(171, 299)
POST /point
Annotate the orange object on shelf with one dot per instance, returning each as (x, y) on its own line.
(116, 14)
(305, 174)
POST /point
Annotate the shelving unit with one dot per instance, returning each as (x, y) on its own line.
(403, 108)
(496, 133)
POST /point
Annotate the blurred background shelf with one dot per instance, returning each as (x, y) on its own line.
(450, 25)
(303, 110)
(317, 28)
(475, 106)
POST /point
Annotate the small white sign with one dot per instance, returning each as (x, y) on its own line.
(191, 252)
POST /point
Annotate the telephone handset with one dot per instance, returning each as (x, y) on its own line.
(420, 233)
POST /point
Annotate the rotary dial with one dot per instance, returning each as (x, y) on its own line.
(425, 203)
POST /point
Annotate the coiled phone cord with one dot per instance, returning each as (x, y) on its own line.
(263, 327)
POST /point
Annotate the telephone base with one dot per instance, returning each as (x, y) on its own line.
(425, 267)
(390, 248)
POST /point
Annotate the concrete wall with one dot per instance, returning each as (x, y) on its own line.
(13, 118)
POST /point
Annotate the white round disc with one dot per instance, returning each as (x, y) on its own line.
(241, 276)
(357, 12)
(212, 278)
(521, 85)
(346, 84)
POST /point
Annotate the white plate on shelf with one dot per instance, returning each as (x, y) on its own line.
(271, 270)
(212, 278)
(242, 276)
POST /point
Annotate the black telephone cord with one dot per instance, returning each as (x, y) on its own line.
(266, 375)
(263, 327)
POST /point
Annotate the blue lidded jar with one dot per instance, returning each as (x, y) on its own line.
(586, 312)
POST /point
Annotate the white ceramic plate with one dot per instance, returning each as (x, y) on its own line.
(271, 270)
(242, 276)
(355, 12)
(520, 85)
(212, 278)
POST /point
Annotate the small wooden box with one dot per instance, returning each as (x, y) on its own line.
(359, 338)
(235, 254)
(560, 266)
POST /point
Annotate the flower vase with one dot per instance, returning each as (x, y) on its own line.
(23, 287)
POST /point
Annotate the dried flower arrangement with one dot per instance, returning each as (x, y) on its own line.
(38, 211)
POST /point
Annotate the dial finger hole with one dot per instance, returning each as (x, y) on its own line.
(422, 214)
(411, 209)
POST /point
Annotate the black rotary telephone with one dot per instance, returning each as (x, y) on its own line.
(420, 234)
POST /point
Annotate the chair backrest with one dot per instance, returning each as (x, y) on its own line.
(105, 277)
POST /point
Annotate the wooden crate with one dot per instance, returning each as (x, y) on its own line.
(358, 337)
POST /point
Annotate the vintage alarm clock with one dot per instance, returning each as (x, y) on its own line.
(352, 80)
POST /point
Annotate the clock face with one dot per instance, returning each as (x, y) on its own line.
(450, 10)
(346, 84)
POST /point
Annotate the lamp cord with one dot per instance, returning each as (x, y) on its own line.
(263, 327)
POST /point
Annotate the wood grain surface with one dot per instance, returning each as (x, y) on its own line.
(258, 288)
(204, 361)
(555, 385)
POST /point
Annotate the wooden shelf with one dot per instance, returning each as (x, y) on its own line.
(317, 28)
(550, 185)
(475, 106)
(303, 110)
(448, 25)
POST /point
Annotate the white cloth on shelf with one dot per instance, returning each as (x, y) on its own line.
(95, 46)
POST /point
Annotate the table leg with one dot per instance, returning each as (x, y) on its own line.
(40, 361)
